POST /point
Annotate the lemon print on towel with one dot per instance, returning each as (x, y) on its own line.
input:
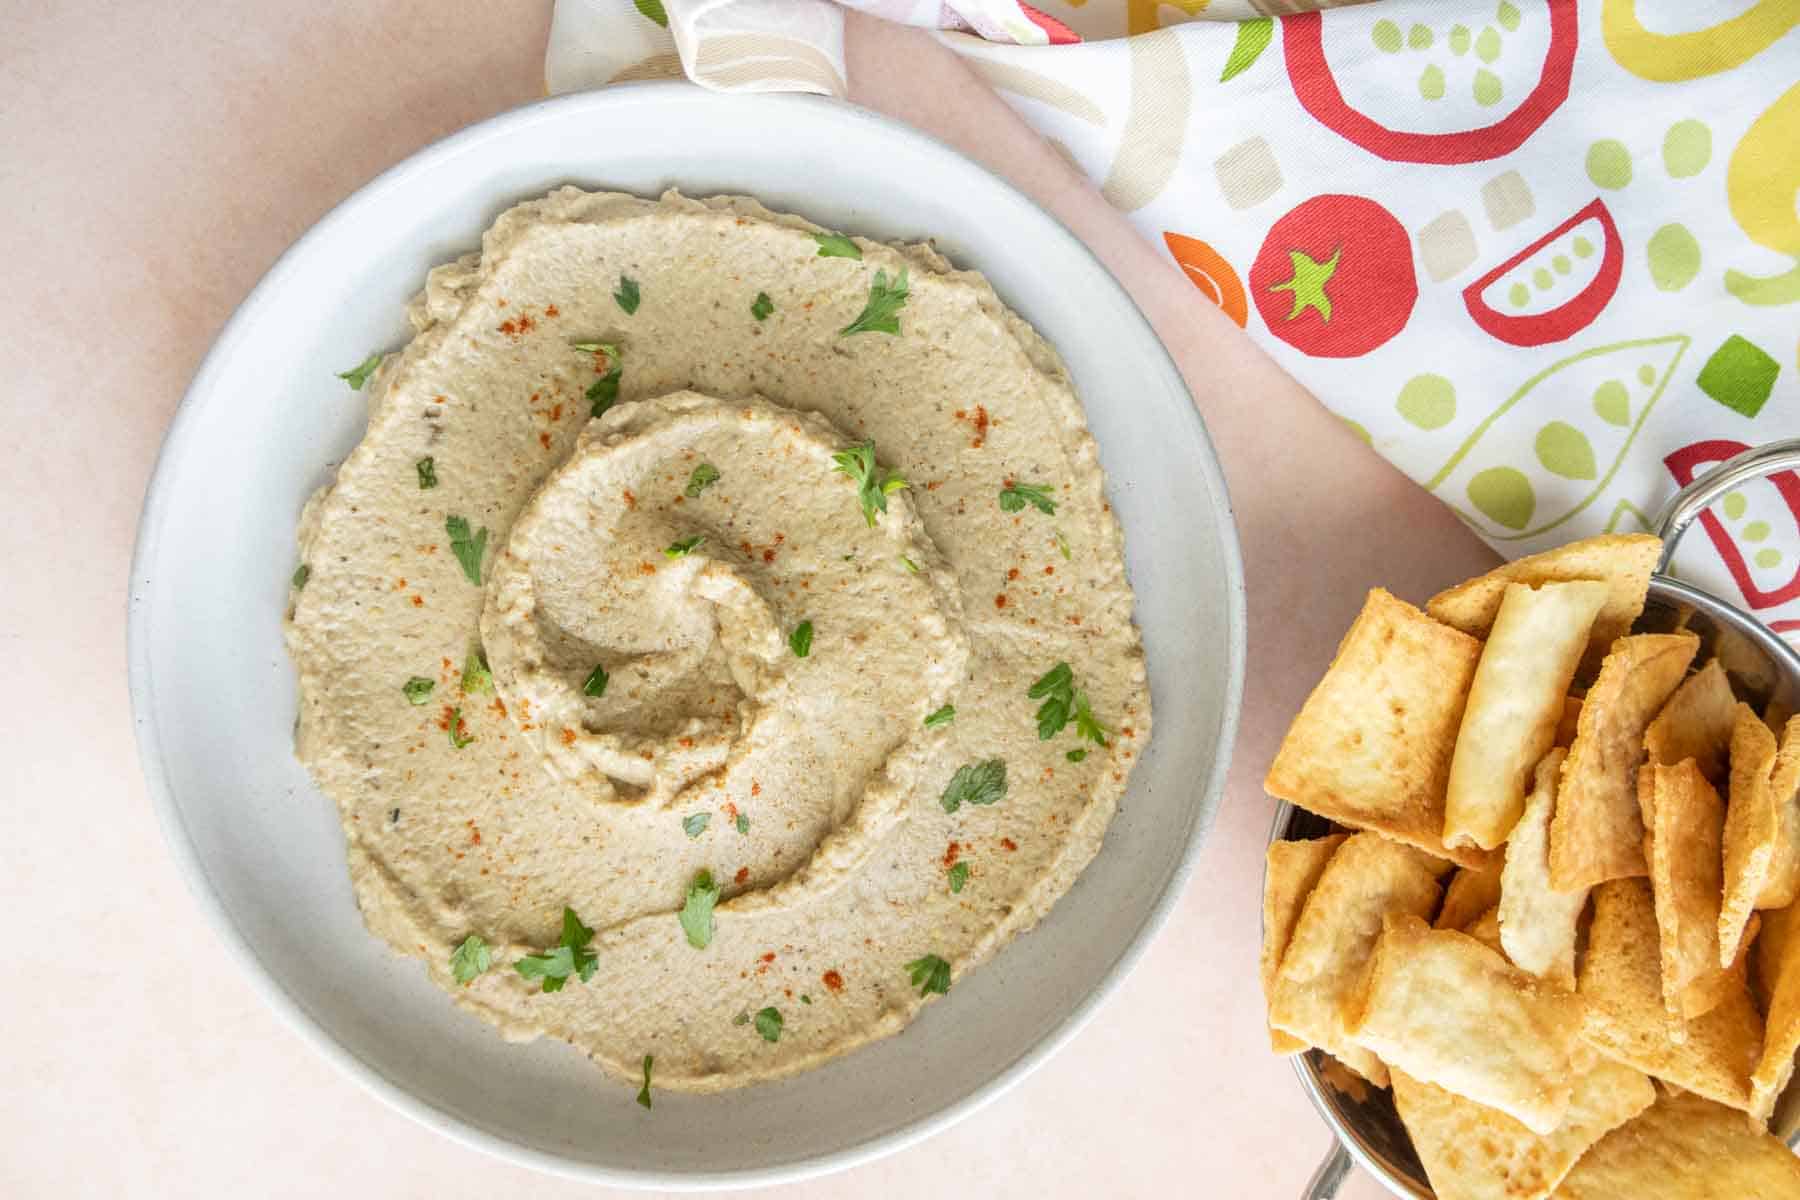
(1553, 446)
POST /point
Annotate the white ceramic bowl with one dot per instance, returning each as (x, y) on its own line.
(264, 422)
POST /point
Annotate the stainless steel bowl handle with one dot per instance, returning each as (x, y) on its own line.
(1331, 1174)
(1686, 505)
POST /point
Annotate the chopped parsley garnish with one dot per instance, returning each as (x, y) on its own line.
(704, 476)
(683, 547)
(468, 550)
(1085, 723)
(929, 974)
(476, 676)
(805, 999)
(459, 732)
(470, 959)
(976, 783)
(627, 295)
(1062, 543)
(595, 683)
(1076, 755)
(610, 349)
(359, 374)
(302, 573)
(873, 484)
(882, 313)
(427, 468)
(418, 690)
(912, 568)
(762, 306)
(1015, 496)
(836, 245)
(643, 1096)
(768, 1023)
(1056, 688)
(695, 824)
(742, 1018)
(800, 641)
(653, 10)
(697, 913)
(571, 956)
(942, 716)
(743, 822)
(603, 393)
(959, 875)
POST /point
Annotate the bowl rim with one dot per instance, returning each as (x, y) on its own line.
(314, 1031)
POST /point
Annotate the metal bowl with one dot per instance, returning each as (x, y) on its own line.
(1763, 669)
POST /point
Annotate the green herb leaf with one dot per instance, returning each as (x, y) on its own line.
(882, 313)
(800, 641)
(418, 690)
(929, 974)
(1015, 496)
(912, 568)
(762, 306)
(627, 294)
(768, 1023)
(359, 374)
(470, 959)
(459, 733)
(1085, 724)
(427, 468)
(570, 957)
(302, 573)
(610, 349)
(873, 484)
(468, 550)
(743, 822)
(1076, 755)
(603, 393)
(697, 913)
(1062, 543)
(704, 476)
(805, 999)
(959, 875)
(643, 1096)
(836, 245)
(595, 684)
(683, 547)
(1253, 38)
(942, 716)
(742, 1018)
(1056, 688)
(695, 823)
(976, 783)
(476, 676)
(653, 10)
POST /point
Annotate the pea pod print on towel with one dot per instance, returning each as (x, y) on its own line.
(1745, 520)
(1673, 57)
(1568, 427)
(1556, 286)
(1334, 277)
(1495, 110)
(1763, 185)
(1207, 270)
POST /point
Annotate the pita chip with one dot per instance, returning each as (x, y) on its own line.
(1471, 1152)
(1292, 870)
(1696, 723)
(1752, 827)
(1328, 953)
(1517, 696)
(1567, 723)
(1685, 1148)
(1686, 876)
(1718, 987)
(1486, 929)
(1778, 965)
(1538, 924)
(1597, 832)
(1622, 561)
(1371, 746)
(1448, 1010)
(1782, 885)
(1620, 984)
(1470, 894)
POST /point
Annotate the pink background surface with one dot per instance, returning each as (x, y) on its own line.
(154, 160)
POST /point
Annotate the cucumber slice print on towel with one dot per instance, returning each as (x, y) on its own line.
(1461, 89)
(1552, 447)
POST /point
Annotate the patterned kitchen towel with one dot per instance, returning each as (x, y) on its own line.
(1543, 254)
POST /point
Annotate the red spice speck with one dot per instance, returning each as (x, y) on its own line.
(981, 427)
(755, 788)
(1008, 844)
(687, 743)
(437, 399)
(552, 311)
(769, 957)
(1049, 570)
(743, 876)
(769, 555)
(731, 811)
(443, 721)
(951, 853)
(556, 413)
(517, 326)
(630, 500)
(418, 602)
(1000, 600)
(1012, 573)
(568, 737)
(833, 981)
(544, 439)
